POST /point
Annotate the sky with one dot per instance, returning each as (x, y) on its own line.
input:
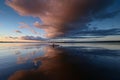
(39, 20)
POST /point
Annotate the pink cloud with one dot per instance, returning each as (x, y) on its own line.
(24, 25)
(58, 14)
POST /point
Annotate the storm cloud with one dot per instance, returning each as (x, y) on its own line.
(60, 16)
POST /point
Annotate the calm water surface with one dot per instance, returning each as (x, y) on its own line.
(75, 61)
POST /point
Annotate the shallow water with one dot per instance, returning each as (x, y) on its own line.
(75, 61)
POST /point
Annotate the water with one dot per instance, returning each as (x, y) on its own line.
(75, 61)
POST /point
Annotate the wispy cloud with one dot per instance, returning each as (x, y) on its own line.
(26, 26)
(10, 37)
(113, 31)
(31, 38)
(97, 32)
(37, 38)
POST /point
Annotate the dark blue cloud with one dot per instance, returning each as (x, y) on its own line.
(98, 33)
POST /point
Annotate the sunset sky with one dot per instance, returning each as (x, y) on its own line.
(80, 20)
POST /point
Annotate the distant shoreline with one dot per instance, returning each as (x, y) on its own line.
(68, 42)
(91, 42)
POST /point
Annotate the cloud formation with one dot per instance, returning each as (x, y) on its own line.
(24, 25)
(38, 38)
(17, 31)
(10, 37)
(99, 32)
(31, 38)
(60, 16)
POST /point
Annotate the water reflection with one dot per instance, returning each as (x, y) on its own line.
(29, 56)
(18, 56)
(73, 63)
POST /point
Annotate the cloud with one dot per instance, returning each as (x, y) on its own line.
(17, 31)
(98, 32)
(31, 38)
(27, 38)
(108, 15)
(59, 16)
(24, 25)
(83, 37)
(10, 37)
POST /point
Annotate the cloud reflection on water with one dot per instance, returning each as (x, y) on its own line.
(72, 64)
